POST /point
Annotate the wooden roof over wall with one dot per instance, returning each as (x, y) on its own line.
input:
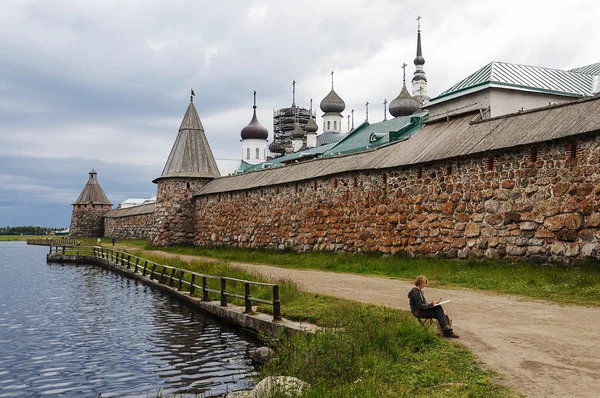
(131, 211)
(461, 136)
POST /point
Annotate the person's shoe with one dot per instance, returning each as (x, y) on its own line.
(449, 333)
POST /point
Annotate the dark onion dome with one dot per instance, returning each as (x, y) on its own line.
(404, 104)
(255, 129)
(276, 147)
(333, 103)
(311, 126)
(297, 133)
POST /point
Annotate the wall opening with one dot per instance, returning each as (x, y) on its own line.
(571, 150)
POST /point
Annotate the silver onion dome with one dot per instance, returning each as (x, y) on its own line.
(332, 103)
(404, 104)
(311, 126)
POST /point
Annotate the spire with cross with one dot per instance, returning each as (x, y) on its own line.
(352, 119)
(385, 109)
(192, 94)
(367, 111)
(254, 106)
(419, 22)
(332, 80)
(293, 94)
(348, 123)
(404, 72)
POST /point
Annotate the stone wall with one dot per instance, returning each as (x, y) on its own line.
(130, 227)
(87, 222)
(174, 213)
(537, 201)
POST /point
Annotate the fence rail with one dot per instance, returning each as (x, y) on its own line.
(183, 280)
(53, 242)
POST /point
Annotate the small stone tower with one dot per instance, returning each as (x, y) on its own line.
(189, 167)
(88, 210)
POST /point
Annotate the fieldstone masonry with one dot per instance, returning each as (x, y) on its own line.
(87, 220)
(130, 227)
(174, 213)
(537, 201)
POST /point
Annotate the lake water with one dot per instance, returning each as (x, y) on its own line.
(79, 330)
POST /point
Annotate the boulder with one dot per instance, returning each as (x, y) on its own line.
(262, 355)
(279, 386)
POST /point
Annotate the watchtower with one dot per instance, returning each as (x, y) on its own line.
(189, 167)
(88, 210)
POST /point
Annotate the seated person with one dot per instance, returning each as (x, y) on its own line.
(422, 309)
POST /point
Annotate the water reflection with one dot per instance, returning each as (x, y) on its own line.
(81, 330)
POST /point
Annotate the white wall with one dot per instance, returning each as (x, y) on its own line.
(332, 122)
(504, 101)
(253, 145)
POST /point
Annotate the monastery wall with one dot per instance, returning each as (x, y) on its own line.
(130, 227)
(537, 201)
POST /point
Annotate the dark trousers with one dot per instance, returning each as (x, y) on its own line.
(436, 312)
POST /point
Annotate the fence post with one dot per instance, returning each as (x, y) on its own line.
(192, 284)
(247, 300)
(152, 272)
(162, 274)
(50, 249)
(205, 289)
(223, 291)
(276, 304)
(180, 280)
(171, 276)
(63, 250)
(145, 268)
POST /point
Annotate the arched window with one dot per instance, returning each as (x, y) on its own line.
(257, 153)
(334, 125)
(328, 125)
(247, 153)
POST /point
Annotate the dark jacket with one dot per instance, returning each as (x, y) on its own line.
(417, 301)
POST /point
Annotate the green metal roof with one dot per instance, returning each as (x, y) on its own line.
(592, 69)
(522, 77)
(369, 136)
(282, 160)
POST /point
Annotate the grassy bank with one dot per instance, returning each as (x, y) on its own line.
(575, 285)
(7, 238)
(365, 351)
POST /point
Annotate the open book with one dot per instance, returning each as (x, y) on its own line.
(441, 302)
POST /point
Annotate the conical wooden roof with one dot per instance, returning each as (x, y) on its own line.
(191, 155)
(92, 193)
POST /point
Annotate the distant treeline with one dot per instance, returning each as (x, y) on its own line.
(27, 230)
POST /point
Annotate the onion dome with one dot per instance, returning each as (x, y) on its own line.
(276, 147)
(311, 126)
(297, 132)
(404, 104)
(332, 103)
(254, 130)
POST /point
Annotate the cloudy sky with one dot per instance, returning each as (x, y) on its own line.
(104, 84)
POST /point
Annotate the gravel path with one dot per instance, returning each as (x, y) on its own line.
(541, 349)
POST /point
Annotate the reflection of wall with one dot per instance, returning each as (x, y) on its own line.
(537, 201)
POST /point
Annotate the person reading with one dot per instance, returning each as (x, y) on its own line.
(433, 310)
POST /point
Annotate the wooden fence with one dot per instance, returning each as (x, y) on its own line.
(183, 280)
(53, 242)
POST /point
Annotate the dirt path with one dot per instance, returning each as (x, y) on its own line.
(541, 349)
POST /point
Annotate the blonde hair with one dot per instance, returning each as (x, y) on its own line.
(421, 280)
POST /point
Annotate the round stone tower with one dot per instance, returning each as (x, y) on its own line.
(88, 211)
(189, 167)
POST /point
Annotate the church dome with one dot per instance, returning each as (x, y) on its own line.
(311, 126)
(333, 103)
(297, 132)
(255, 130)
(404, 104)
(276, 147)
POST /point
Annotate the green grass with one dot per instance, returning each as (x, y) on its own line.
(7, 238)
(364, 350)
(573, 285)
